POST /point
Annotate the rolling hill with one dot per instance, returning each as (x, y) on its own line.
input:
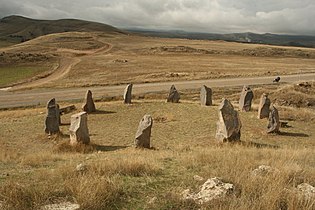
(16, 29)
(267, 38)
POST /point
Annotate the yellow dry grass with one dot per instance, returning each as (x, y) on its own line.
(36, 170)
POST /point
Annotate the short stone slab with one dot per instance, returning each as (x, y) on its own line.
(213, 188)
(206, 96)
(79, 132)
(128, 94)
(245, 102)
(61, 206)
(229, 124)
(88, 105)
(52, 120)
(274, 121)
(264, 104)
(264, 170)
(143, 135)
(173, 96)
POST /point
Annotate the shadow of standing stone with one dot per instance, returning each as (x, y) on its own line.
(88, 105)
(143, 135)
(52, 118)
(79, 132)
(264, 104)
(245, 102)
(274, 121)
(205, 96)
(128, 94)
(229, 124)
(173, 96)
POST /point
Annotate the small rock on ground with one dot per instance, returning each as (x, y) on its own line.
(61, 206)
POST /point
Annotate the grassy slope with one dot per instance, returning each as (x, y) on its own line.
(121, 177)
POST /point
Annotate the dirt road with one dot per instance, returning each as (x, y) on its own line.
(39, 96)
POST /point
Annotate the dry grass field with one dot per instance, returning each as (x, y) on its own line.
(107, 59)
(36, 170)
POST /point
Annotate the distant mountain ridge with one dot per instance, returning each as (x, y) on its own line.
(17, 29)
(271, 39)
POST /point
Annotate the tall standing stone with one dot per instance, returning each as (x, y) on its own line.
(173, 96)
(274, 120)
(205, 96)
(127, 94)
(88, 105)
(229, 124)
(143, 134)
(79, 132)
(246, 98)
(52, 118)
(264, 104)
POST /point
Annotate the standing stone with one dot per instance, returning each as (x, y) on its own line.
(173, 96)
(79, 132)
(206, 96)
(143, 134)
(58, 113)
(229, 124)
(88, 105)
(52, 118)
(274, 121)
(246, 98)
(264, 104)
(127, 94)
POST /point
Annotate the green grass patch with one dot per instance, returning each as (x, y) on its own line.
(9, 75)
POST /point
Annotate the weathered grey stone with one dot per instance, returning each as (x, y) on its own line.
(245, 102)
(306, 190)
(79, 132)
(264, 104)
(212, 189)
(61, 206)
(264, 170)
(52, 118)
(88, 105)
(274, 121)
(229, 124)
(173, 96)
(127, 94)
(205, 96)
(143, 134)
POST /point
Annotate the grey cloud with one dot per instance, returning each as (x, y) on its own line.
(218, 16)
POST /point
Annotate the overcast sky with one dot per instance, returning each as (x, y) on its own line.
(217, 16)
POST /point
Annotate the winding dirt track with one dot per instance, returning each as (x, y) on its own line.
(35, 97)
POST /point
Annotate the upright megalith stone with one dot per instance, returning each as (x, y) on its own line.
(264, 104)
(205, 96)
(246, 98)
(173, 96)
(127, 94)
(229, 124)
(88, 105)
(52, 118)
(274, 121)
(143, 134)
(79, 132)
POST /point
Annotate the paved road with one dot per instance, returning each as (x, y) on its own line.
(34, 97)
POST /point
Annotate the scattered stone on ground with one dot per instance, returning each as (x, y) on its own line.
(198, 178)
(127, 94)
(79, 132)
(206, 96)
(52, 118)
(264, 104)
(61, 206)
(229, 124)
(173, 96)
(143, 135)
(67, 109)
(264, 170)
(88, 105)
(213, 188)
(306, 190)
(81, 167)
(245, 102)
(274, 121)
